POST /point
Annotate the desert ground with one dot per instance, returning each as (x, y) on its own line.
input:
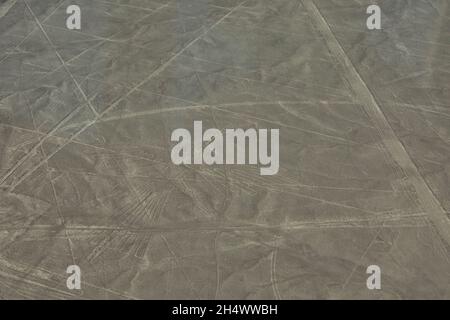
(87, 179)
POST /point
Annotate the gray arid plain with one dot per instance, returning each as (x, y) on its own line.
(86, 176)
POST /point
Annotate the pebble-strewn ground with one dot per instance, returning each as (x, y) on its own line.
(86, 176)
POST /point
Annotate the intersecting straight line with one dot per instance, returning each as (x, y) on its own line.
(86, 100)
(58, 209)
(32, 31)
(20, 266)
(125, 5)
(376, 222)
(427, 199)
(67, 118)
(6, 7)
(41, 141)
(61, 59)
(132, 90)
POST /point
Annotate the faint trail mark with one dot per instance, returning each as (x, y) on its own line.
(156, 72)
(5, 7)
(396, 149)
